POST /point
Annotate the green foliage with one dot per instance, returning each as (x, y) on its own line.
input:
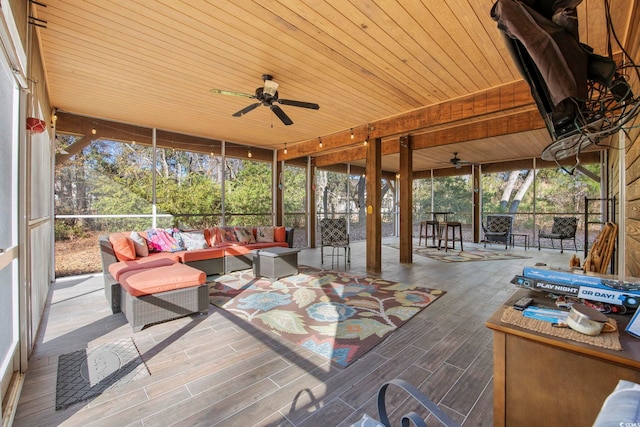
(65, 229)
(249, 193)
(113, 178)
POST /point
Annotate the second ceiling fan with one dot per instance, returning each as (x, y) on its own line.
(457, 162)
(268, 96)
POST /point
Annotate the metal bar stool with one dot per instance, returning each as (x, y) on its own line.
(444, 234)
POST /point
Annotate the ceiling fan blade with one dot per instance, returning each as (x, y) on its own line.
(246, 109)
(281, 115)
(232, 93)
(299, 104)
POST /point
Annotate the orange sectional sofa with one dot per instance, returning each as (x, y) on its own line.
(142, 269)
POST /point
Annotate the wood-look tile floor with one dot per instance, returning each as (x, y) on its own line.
(216, 370)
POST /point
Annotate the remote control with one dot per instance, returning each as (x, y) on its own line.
(523, 303)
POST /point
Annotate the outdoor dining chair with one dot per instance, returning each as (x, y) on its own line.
(333, 233)
(564, 228)
(498, 229)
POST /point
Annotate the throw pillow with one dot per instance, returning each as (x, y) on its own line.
(264, 234)
(175, 233)
(122, 247)
(212, 236)
(193, 240)
(227, 235)
(245, 235)
(139, 243)
(162, 241)
(280, 234)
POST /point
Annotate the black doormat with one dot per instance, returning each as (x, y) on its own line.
(84, 374)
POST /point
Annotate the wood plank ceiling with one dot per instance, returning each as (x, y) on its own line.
(153, 63)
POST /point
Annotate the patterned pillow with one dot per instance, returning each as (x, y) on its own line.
(245, 235)
(264, 234)
(162, 241)
(140, 244)
(193, 240)
(227, 235)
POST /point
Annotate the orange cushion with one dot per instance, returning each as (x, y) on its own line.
(237, 249)
(280, 234)
(123, 247)
(151, 281)
(201, 254)
(118, 268)
(264, 245)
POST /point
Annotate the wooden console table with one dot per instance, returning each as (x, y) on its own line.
(541, 380)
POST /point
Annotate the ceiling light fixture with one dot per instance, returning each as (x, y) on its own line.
(93, 130)
(249, 153)
(285, 148)
(320, 142)
(351, 133)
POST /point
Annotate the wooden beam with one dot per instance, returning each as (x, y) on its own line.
(490, 101)
(374, 206)
(279, 190)
(476, 208)
(494, 100)
(406, 200)
(497, 126)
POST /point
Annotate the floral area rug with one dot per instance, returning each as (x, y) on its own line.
(334, 314)
(462, 256)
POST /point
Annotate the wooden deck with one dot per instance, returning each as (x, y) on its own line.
(217, 370)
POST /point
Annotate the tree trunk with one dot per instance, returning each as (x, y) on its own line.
(506, 194)
(523, 190)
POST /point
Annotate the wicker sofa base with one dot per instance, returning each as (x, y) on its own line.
(148, 309)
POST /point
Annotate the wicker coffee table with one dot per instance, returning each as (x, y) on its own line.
(275, 263)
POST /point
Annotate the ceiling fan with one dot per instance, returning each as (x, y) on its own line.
(457, 162)
(268, 96)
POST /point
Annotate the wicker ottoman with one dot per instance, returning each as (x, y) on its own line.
(275, 263)
(162, 293)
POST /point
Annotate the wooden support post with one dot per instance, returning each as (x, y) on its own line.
(279, 190)
(374, 221)
(406, 200)
(477, 213)
(311, 190)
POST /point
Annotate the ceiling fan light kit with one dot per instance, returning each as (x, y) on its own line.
(268, 96)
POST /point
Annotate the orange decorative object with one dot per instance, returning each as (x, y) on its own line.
(36, 125)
